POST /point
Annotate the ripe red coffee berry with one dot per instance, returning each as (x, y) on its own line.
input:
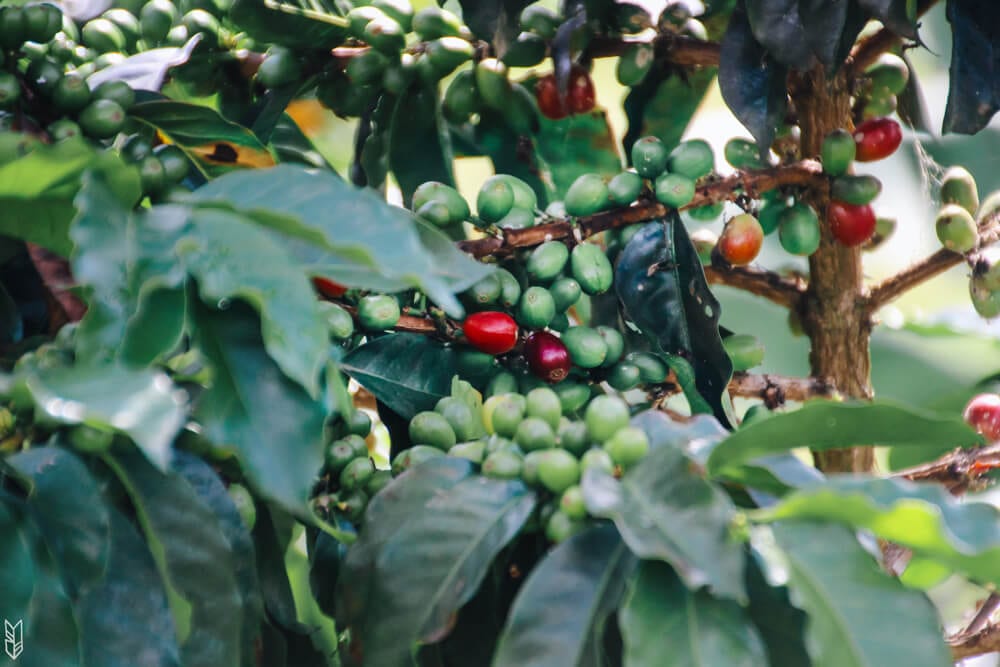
(328, 288)
(983, 414)
(491, 332)
(547, 357)
(877, 139)
(550, 103)
(582, 96)
(851, 225)
(741, 240)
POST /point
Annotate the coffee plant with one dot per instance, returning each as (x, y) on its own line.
(253, 414)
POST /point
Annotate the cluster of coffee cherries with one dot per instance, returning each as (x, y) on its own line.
(45, 94)
(349, 478)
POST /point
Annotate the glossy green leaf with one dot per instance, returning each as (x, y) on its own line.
(435, 563)
(822, 425)
(207, 485)
(576, 145)
(663, 104)
(349, 235)
(294, 23)
(973, 93)
(233, 259)
(143, 404)
(408, 372)
(752, 82)
(126, 620)
(216, 145)
(664, 511)
(419, 147)
(921, 517)
(36, 191)
(661, 284)
(66, 504)
(848, 599)
(405, 498)
(191, 554)
(51, 635)
(275, 428)
(660, 616)
(291, 145)
(17, 567)
(492, 137)
(780, 624)
(561, 611)
(120, 259)
(778, 26)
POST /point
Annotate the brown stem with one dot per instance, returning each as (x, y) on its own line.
(807, 173)
(774, 390)
(980, 643)
(768, 284)
(958, 470)
(832, 310)
(674, 48)
(934, 265)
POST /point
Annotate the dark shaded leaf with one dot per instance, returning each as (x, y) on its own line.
(974, 91)
(897, 15)
(854, 22)
(295, 23)
(777, 26)
(576, 145)
(752, 82)
(666, 512)
(194, 556)
(660, 616)
(408, 372)
(51, 635)
(128, 616)
(66, 504)
(823, 22)
(912, 105)
(663, 104)
(493, 20)
(270, 544)
(661, 284)
(292, 146)
(274, 426)
(847, 599)
(17, 567)
(781, 625)
(435, 563)
(823, 425)
(492, 137)
(419, 146)
(561, 612)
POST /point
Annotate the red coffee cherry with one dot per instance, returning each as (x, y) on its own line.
(491, 332)
(328, 288)
(550, 103)
(877, 139)
(547, 357)
(983, 414)
(851, 225)
(741, 240)
(582, 96)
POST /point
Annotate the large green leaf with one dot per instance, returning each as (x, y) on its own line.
(661, 616)
(121, 258)
(141, 403)
(274, 426)
(435, 563)
(290, 144)
(216, 145)
(312, 24)
(666, 512)
(661, 284)
(780, 624)
(922, 517)
(66, 505)
(777, 25)
(36, 191)
(973, 94)
(408, 372)
(579, 144)
(51, 635)
(191, 554)
(419, 147)
(664, 103)
(347, 234)
(849, 599)
(126, 621)
(17, 567)
(822, 425)
(561, 612)
(752, 82)
(405, 498)
(232, 259)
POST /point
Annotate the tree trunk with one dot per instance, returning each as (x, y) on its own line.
(832, 311)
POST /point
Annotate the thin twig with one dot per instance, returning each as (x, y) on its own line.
(767, 284)
(869, 49)
(774, 390)
(958, 470)
(985, 641)
(671, 47)
(892, 288)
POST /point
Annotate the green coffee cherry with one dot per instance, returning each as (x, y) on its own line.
(769, 215)
(502, 383)
(521, 112)
(356, 474)
(524, 195)
(693, 159)
(744, 350)
(116, 91)
(742, 154)
(624, 376)
(627, 446)
(102, 35)
(447, 53)
(90, 440)
(559, 527)
(485, 291)
(587, 195)
(377, 482)
(889, 73)
(956, 228)
(547, 261)
(474, 364)
(605, 416)
(634, 64)
(856, 190)
(175, 163)
(495, 199)
(503, 413)
(591, 268)
(42, 22)
(126, 22)
(838, 152)
(459, 416)
(43, 75)
(13, 27)
(880, 104)
(337, 456)
(432, 429)
(674, 190)
(558, 470)
(544, 403)
(597, 459)
(10, 90)
(540, 20)
(510, 289)
(367, 67)
(339, 322)
(586, 347)
(156, 19)
(517, 218)
(565, 292)
(433, 191)
(102, 119)
(527, 50)
(359, 424)
(493, 85)
(461, 99)
(798, 230)
(152, 175)
(359, 17)
(433, 22)
(574, 437)
(649, 157)
(399, 10)
(651, 367)
(571, 503)
(470, 451)
(985, 300)
(536, 308)
(386, 35)
(959, 187)
(572, 395)
(63, 129)
(625, 188)
(502, 465)
(280, 67)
